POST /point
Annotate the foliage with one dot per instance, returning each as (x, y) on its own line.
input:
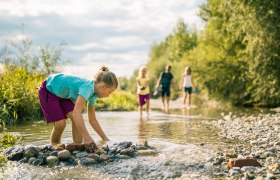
(234, 59)
(7, 140)
(245, 38)
(23, 54)
(18, 95)
(118, 101)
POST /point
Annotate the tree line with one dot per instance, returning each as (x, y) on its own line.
(234, 59)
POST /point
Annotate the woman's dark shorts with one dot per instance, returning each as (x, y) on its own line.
(188, 89)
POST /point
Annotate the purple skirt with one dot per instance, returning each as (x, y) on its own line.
(54, 108)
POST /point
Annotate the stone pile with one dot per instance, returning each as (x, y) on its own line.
(51, 156)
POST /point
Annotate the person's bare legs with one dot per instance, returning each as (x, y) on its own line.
(140, 109)
(190, 97)
(57, 131)
(163, 103)
(184, 99)
(76, 135)
(167, 104)
(148, 107)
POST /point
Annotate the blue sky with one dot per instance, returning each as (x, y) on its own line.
(115, 33)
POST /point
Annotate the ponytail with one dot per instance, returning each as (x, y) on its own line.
(106, 76)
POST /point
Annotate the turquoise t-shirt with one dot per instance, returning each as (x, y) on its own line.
(70, 86)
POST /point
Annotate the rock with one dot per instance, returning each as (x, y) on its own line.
(104, 157)
(243, 162)
(64, 154)
(81, 154)
(14, 153)
(148, 152)
(54, 153)
(30, 151)
(52, 161)
(75, 147)
(96, 157)
(85, 161)
(123, 156)
(31, 160)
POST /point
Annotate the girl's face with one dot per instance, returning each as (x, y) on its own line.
(143, 71)
(103, 90)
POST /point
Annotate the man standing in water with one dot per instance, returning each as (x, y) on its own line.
(164, 80)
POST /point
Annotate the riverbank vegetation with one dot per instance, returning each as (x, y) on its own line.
(235, 59)
(21, 75)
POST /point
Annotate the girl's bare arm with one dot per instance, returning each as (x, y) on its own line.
(94, 123)
(78, 119)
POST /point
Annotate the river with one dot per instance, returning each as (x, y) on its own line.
(182, 138)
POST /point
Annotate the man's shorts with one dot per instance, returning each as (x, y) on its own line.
(54, 108)
(165, 91)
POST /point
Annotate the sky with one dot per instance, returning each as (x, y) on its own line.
(114, 33)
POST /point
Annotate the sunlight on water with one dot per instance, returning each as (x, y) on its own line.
(183, 141)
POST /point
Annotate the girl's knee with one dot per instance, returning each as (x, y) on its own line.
(60, 124)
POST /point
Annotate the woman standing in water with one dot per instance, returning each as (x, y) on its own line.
(187, 84)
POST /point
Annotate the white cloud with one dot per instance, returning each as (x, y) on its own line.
(117, 33)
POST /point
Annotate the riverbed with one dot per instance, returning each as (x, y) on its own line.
(184, 139)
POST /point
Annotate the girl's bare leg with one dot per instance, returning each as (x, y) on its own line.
(77, 137)
(140, 109)
(148, 107)
(57, 131)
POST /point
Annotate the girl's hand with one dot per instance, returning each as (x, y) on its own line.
(91, 148)
(143, 87)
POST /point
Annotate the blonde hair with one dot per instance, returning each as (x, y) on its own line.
(188, 70)
(141, 69)
(106, 76)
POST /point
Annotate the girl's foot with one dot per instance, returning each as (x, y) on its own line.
(183, 106)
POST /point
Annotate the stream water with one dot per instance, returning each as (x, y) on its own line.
(182, 138)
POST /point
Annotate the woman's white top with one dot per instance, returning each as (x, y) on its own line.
(187, 81)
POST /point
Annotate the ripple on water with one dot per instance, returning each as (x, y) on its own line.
(172, 161)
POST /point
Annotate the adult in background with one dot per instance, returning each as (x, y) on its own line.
(165, 81)
(187, 86)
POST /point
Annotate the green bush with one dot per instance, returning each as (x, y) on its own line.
(118, 101)
(18, 96)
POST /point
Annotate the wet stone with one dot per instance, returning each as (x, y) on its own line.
(54, 153)
(85, 161)
(81, 154)
(31, 160)
(52, 156)
(52, 161)
(30, 151)
(64, 154)
(14, 153)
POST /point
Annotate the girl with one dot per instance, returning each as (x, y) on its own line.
(143, 91)
(64, 96)
(187, 84)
